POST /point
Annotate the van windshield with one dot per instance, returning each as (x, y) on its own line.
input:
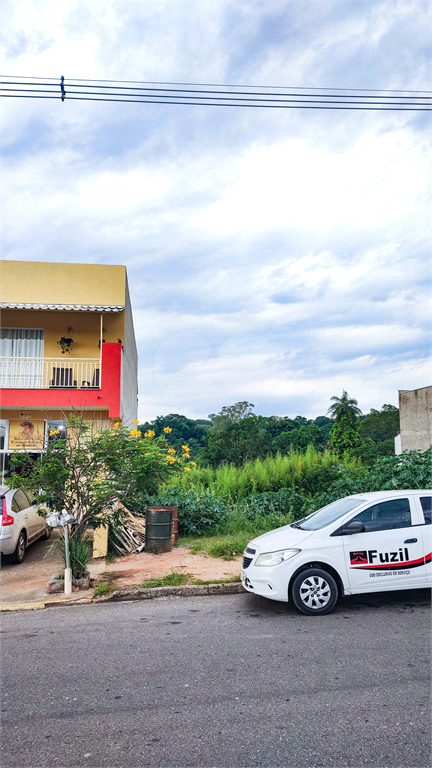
(328, 514)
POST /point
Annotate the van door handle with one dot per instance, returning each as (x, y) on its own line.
(410, 541)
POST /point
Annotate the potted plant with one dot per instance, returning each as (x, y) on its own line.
(66, 342)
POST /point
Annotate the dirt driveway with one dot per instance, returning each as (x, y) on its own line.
(27, 582)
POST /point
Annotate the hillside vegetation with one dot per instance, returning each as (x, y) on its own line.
(265, 494)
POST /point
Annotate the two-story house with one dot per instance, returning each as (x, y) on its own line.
(67, 343)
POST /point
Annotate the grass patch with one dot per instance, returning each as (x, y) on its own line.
(173, 579)
(217, 581)
(197, 547)
(105, 585)
(223, 547)
(228, 547)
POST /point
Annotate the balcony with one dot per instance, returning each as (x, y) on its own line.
(49, 373)
(58, 384)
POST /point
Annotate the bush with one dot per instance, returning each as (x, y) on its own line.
(198, 514)
(80, 549)
(409, 470)
(266, 510)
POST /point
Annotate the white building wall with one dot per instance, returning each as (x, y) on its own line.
(129, 369)
(398, 445)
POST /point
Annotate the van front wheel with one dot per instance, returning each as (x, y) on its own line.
(314, 592)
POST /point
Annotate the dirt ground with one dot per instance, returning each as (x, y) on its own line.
(27, 582)
(134, 569)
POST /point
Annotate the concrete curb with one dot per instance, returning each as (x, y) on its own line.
(189, 590)
(23, 607)
(135, 593)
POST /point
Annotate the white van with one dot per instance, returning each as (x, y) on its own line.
(370, 542)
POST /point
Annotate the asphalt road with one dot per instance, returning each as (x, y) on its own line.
(226, 681)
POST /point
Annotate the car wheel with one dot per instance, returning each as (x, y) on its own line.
(47, 533)
(18, 555)
(315, 592)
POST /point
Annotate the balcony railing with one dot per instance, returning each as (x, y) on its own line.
(49, 373)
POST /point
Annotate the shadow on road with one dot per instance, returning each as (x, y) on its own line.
(403, 599)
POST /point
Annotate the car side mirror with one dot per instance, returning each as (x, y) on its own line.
(35, 503)
(355, 526)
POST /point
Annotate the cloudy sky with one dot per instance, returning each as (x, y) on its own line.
(274, 256)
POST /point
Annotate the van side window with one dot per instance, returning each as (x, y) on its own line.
(386, 515)
(426, 506)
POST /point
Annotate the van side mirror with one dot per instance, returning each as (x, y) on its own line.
(355, 526)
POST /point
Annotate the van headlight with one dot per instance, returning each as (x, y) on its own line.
(275, 558)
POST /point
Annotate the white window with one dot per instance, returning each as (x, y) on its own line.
(21, 357)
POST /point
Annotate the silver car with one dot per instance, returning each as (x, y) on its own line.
(21, 524)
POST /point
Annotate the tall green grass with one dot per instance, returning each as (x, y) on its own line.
(309, 471)
(236, 504)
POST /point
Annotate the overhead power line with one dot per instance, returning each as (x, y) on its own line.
(203, 94)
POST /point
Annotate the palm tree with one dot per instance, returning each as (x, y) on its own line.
(344, 408)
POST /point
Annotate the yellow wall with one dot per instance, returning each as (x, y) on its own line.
(100, 418)
(85, 325)
(31, 282)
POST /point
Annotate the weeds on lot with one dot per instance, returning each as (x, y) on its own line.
(173, 579)
(105, 585)
(224, 547)
(228, 548)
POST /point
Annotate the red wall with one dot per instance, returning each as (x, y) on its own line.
(108, 396)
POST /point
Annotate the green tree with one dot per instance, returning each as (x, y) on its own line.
(234, 443)
(88, 471)
(236, 436)
(344, 408)
(183, 430)
(307, 434)
(231, 414)
(380, 425)
(377, 431)
(326, 424)
(344, 435)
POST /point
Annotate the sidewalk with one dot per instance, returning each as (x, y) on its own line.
(26, 584)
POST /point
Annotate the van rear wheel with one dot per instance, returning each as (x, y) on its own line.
(314, 592)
